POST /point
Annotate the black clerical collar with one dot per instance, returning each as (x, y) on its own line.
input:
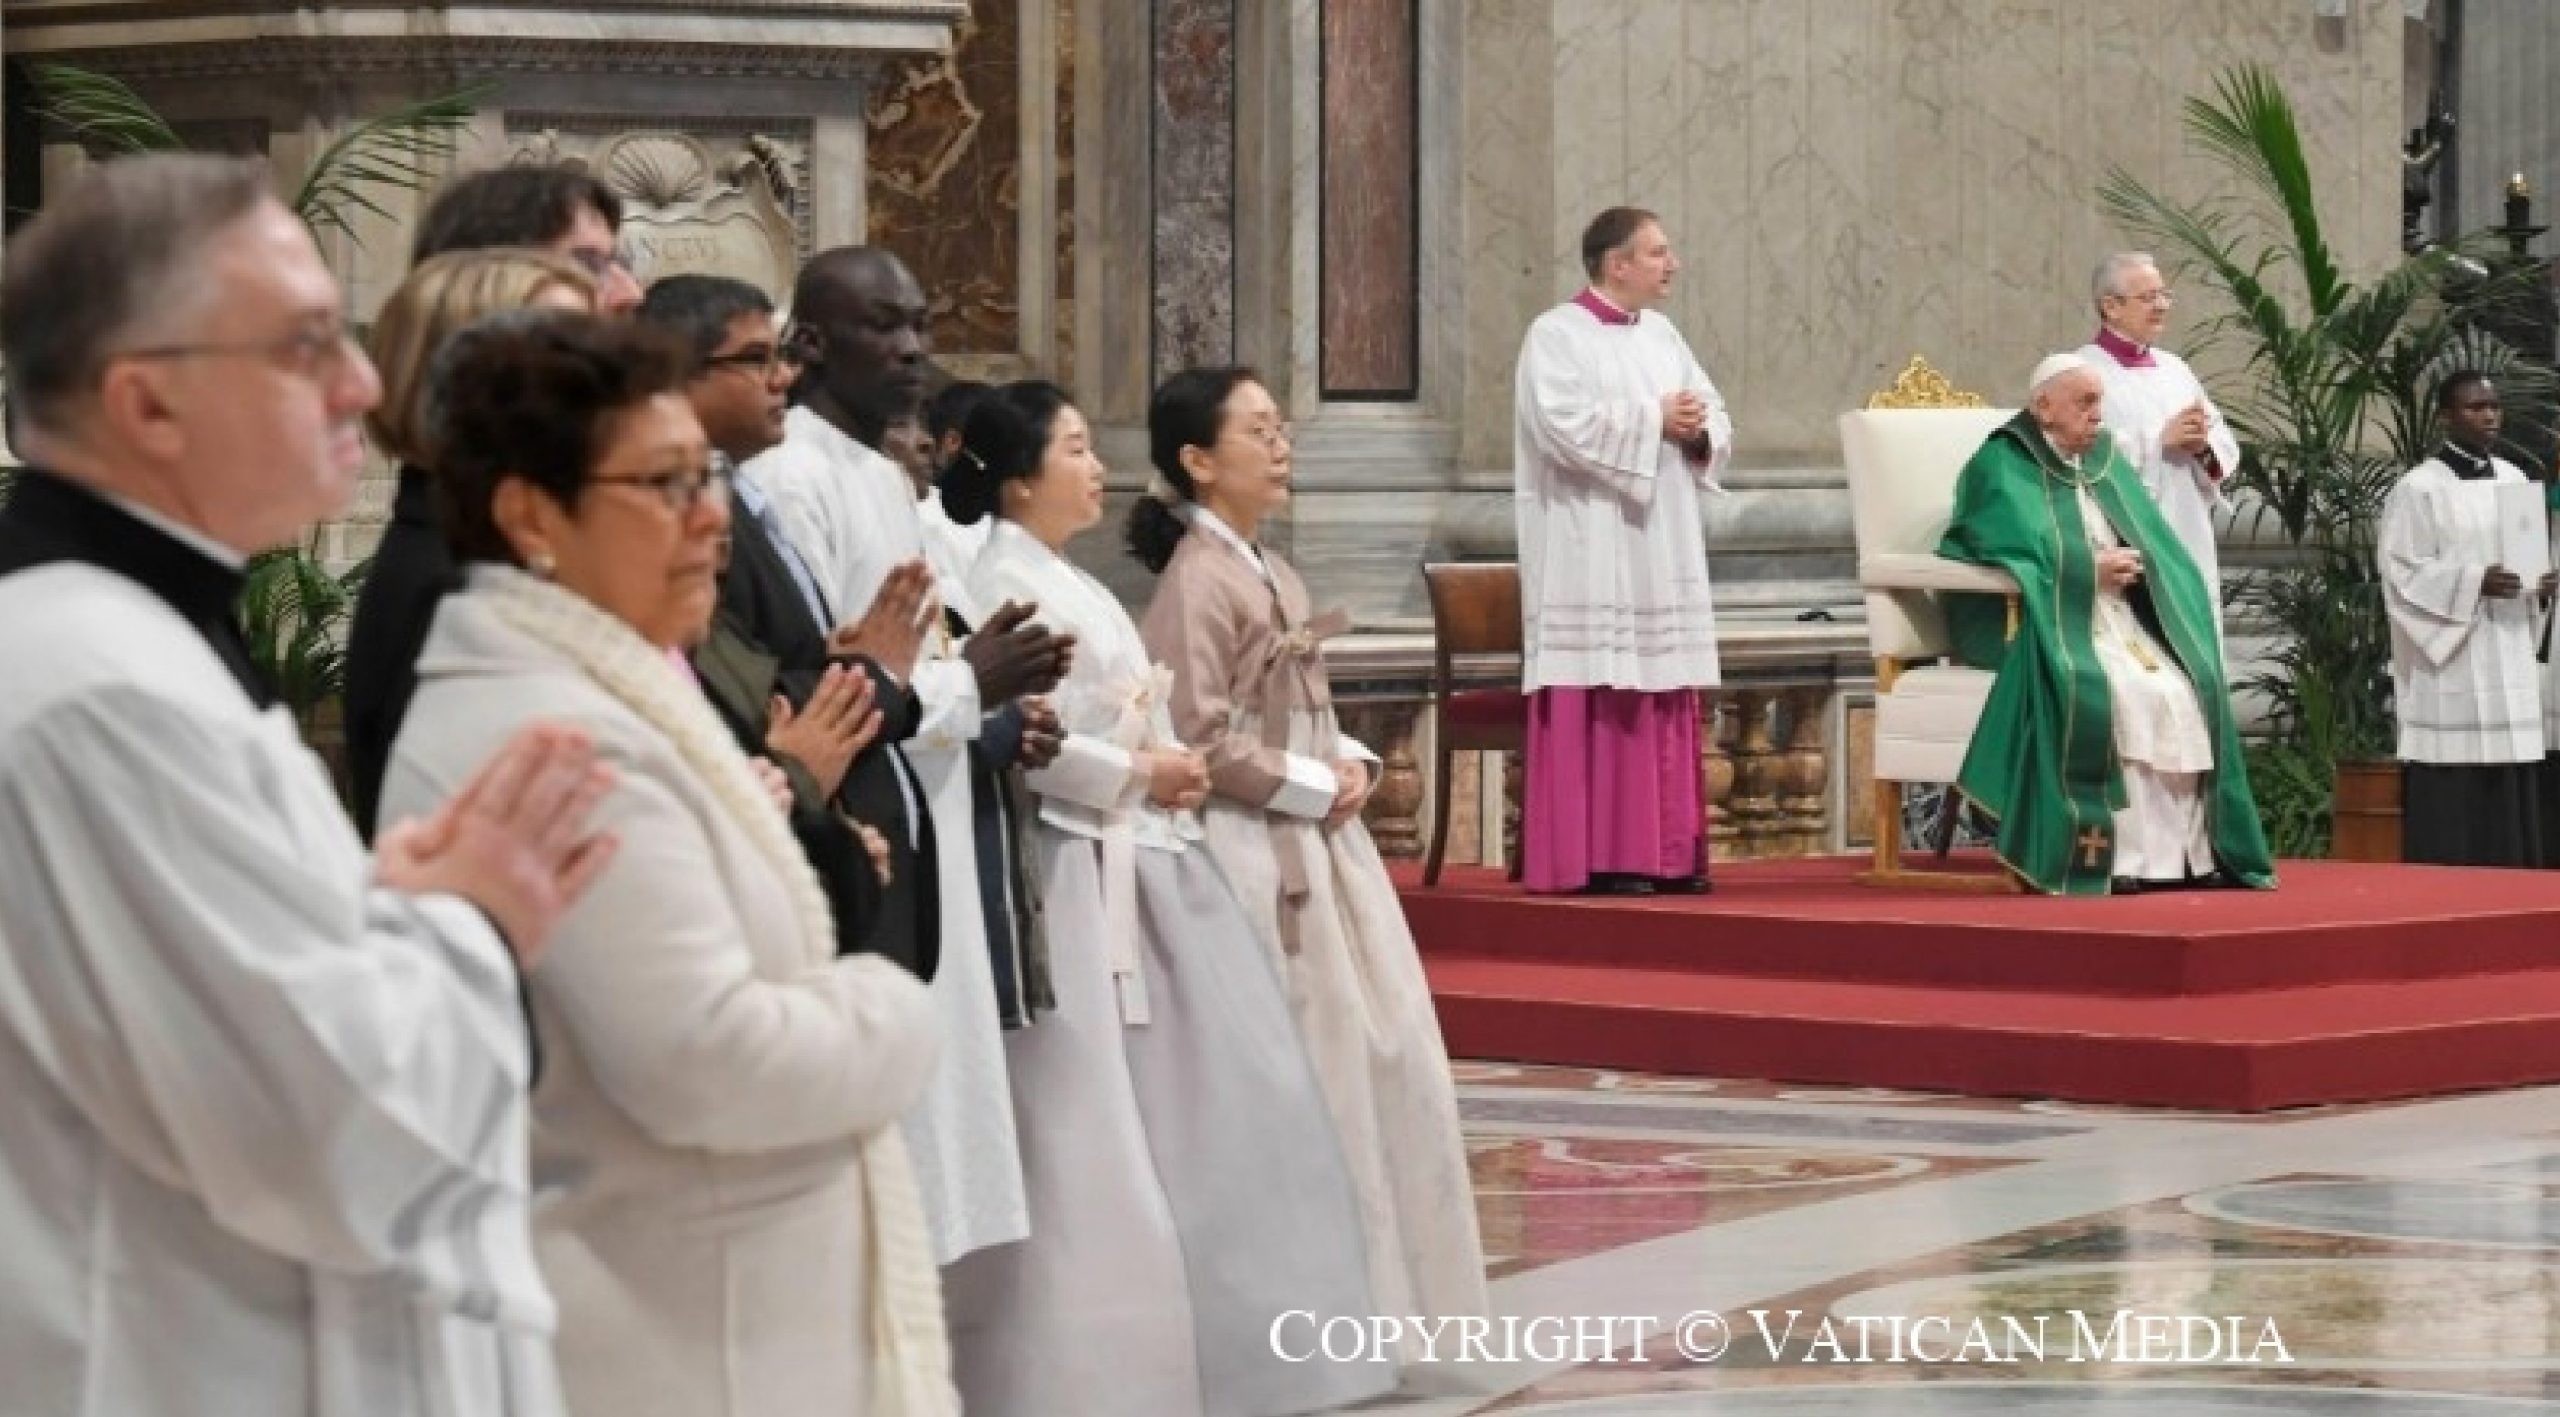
(50, 519)
(2466, 464)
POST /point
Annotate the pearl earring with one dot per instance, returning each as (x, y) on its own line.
(541, 564)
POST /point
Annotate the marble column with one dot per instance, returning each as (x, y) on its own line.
(1370, 322)
(1194, 143)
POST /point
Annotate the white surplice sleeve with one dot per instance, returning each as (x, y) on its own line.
(2430, 591)
(2222, 443)
(338, 1074)
(1719, 421)
(1576, 424)
(796, 480)
(652, 976)
(947, 691)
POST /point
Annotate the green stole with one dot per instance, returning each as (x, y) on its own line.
(2043, 759)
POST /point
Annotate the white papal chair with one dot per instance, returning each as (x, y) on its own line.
(1904, 451)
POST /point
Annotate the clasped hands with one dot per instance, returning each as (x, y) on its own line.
(2499, 583)
(1178, 779)
(2119, 567)
(1684, 415)
(2190, 433)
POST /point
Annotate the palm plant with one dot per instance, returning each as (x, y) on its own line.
(2332, 402)
(294, 610)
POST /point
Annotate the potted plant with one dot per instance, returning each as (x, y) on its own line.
(294, 609)
(2331, 402)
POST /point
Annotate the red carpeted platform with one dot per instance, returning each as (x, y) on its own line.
(2351, 983)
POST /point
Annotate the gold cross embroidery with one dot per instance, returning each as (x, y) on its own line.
(2092, 843)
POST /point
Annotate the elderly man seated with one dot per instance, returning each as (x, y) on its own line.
(2107, 750)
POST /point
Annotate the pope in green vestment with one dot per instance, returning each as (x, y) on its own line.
(2043, 759)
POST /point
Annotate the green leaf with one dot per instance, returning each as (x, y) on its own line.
(2332, 400)
(101, 111)
(403, 150)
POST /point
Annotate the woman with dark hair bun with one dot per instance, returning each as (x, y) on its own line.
(1174, 1137)
(1283, 821)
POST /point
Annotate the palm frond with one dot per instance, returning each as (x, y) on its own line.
(101, 111)
(403, 150)
(2248, 126)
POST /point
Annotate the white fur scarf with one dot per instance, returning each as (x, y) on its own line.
(911, 1354)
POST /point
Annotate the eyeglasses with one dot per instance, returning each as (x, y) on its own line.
(1269, 435)
(681, 491)
(2153, 298)
(759, 360)
(600, 265)
(316, 351)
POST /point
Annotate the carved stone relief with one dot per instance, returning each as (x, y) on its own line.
(735, 208)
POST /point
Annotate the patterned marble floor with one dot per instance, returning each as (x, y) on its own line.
(1929, 1256)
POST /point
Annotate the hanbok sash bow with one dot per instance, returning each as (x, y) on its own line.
(1294, 680)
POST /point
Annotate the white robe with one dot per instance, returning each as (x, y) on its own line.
(2140, 403)
(1237, 1145)
(2464, 682)
(262, 1127)
(2163, 744)
(851, 514)
(1613, 557)
(950, 547)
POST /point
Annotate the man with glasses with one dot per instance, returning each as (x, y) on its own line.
(549, 208)
(2158, 412)
(819, 722)
(263, 1126)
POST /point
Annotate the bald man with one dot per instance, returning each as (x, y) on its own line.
(850, 513)
(2108, 750)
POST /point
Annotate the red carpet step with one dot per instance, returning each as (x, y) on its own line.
(2351, 983)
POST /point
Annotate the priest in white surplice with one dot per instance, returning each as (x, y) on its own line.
(263, 1129)
(851, 514)
(1618, 431)
(2158, 412)
(2464, 681)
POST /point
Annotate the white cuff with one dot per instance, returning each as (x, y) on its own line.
(1088, 771)
(1308, 791)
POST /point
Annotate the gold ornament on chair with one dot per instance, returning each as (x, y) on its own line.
(1920, 385)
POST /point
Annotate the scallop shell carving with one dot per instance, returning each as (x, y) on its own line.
(659, 171)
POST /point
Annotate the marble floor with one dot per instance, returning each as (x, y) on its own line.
(2398, 1260)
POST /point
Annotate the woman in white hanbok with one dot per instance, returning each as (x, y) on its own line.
(1174, 1139)
(1283, 820)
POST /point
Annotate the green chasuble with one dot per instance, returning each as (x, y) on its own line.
(2043, 760)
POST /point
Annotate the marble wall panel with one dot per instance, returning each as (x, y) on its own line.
(1505, 145)
(1062, 238)
(946, 163)
(1369, 287)
(1859, 180)
(2510, 109)
(1194, 143)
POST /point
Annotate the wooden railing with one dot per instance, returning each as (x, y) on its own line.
(1776, 743)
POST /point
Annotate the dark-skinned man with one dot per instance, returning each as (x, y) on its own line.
(850, 515)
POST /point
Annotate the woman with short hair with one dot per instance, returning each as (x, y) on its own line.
(725, 1210)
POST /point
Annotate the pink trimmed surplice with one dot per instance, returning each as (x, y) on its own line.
(1610, 786)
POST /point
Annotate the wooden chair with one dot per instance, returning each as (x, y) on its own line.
(1904, 452)
(1475, 610)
